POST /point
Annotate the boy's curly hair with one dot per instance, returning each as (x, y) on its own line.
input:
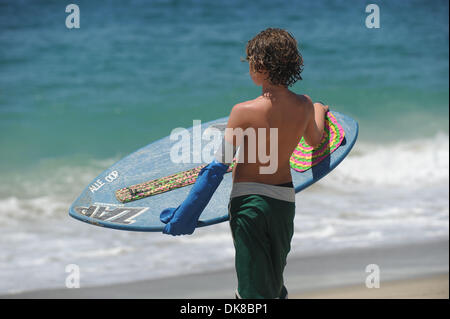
(275, 51)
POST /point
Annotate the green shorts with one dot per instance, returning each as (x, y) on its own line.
(262, 229)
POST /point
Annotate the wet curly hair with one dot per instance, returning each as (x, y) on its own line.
(275, 51)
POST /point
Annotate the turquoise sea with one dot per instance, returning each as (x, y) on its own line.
(74, 101)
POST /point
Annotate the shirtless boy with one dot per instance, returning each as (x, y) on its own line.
(262, 205)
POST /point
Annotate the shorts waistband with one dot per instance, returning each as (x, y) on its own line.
(250, 188)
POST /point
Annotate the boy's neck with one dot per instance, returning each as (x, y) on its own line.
(273, 90)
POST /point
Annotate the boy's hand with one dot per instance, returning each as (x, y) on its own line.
(326, 108)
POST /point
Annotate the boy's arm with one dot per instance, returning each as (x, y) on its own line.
(239, 119)
(314, 130)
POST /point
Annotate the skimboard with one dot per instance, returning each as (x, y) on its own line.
(131, 194)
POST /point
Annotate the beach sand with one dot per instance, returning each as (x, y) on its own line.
(429, 287)
(408, 271)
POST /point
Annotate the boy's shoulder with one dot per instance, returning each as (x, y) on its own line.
(303, 98)
(249, 107)
(244, 114)
(257, 103)
(251, 103)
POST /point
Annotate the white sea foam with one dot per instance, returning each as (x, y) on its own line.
(410, 163)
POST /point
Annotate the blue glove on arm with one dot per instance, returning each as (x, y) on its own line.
(183, 219)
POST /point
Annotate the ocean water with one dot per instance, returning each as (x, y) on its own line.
(73, 102)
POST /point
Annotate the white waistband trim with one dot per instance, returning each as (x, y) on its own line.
(249, 188)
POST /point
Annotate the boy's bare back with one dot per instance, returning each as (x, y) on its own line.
(292, 115)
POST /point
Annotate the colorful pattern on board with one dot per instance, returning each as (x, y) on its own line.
(305, 156)
(160, 185)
